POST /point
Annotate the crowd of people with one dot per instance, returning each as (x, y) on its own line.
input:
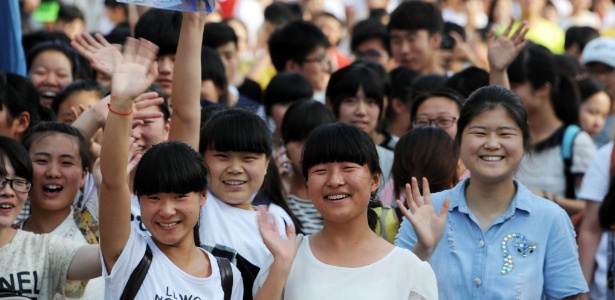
(308, 149)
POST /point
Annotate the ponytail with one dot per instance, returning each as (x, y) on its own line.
(565, 98)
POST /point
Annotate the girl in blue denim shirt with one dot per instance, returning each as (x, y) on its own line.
(490, 237)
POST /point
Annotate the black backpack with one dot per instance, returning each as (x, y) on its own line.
(138, 275)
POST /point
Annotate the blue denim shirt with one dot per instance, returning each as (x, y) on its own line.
(529, 252)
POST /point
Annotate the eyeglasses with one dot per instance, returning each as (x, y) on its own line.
(18, 185)
(440, 122)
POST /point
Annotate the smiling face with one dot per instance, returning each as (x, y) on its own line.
(492, 146)
(153, 131)
(51, 72)
(341, 191)
(171, 217)
(593, 113)
(439, 107)
(11, 202)
(234, 176)
(58, 172)
(414, 49)
(360, 111)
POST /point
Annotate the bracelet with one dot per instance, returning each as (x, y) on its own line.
(119, 113)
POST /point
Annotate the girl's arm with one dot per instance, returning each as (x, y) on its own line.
(428, 226)
(131, 77)
(589, 238)
(283, 252)
(85, 264)
(503, 51)
(186, 117)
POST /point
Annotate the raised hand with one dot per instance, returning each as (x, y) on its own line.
(136, 72)
(503, 50)
(428, 225)
(143, 101)
(102, 55)
(283, 250)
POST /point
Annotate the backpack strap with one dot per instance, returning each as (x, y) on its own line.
(137, 276)
(226, 276)
(570, 134)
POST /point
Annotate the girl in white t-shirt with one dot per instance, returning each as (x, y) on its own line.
(341, 261)
(170, 182)
(37, 265)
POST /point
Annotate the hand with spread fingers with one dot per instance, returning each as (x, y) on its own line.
(428, 225)
(102, 55)
(136, 72)
(502, 50)
(283, 250)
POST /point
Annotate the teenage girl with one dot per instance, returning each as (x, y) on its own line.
(171, 184)
(37, 265)
(341, 261)
(491, 237)
(61, 161)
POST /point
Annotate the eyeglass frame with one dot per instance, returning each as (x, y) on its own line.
(435, 122)
(5, 181)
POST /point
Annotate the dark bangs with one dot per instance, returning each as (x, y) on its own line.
(348, 81)
(236, 129)
(339, 142)
(170, 167)
(17, 155)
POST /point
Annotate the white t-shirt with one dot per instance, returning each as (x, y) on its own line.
(164, 280)
(236, 228)
(36, 264)
(594, 187)
(544, 170)
(398, 275)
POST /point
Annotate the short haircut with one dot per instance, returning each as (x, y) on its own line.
(218, 34)
(70, 13)
(18, 156)
(369, 30)
(164, 106)
(212, 68)
(302, 117)
(427, 83)
(183, 170)
(417, 15)
(44, 129)
(580, 36)
(75, 87)
(401, 88)
(339, 142)
(160, 27)
(284, 88)
(34, 38)
(425, 152)
(345, 83)
(19, 95)
(236, 129)
(295, 42)
(468, 80)
(448, 93)
(281, 13)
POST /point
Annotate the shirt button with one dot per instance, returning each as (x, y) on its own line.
(477, 281)
(481, 243)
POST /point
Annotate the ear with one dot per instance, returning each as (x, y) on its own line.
(83, 175)
(544, 91)
(203, 198)
(267, 165)
(291, 66)
(399, 106)
(435, 40)
(375, 182)
(167, 126)
(21, 123)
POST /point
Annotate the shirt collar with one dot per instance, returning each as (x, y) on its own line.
(522, 200)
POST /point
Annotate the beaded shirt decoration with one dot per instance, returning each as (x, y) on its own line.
(521, 245)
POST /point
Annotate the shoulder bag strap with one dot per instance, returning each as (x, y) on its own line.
(226, 276)
(137, 276)
(567, 154)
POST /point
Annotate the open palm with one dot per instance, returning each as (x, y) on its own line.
(137, 71)
(280, 248)
(428, 225)
(504, 49)
(102, 56)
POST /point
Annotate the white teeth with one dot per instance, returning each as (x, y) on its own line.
(6, 206)
(49, 94)
(52, 188)
(492, 158)
(168, 224)
(337, 197)
(234, 182)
